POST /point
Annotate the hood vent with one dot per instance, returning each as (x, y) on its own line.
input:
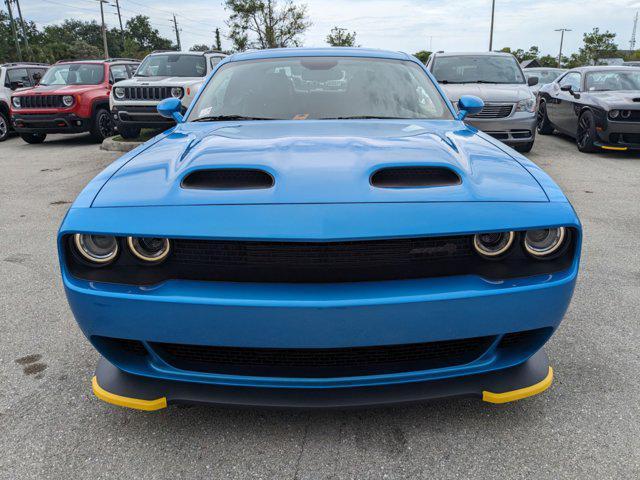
(228, 179)
(414, 177)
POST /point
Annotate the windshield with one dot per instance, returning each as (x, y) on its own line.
(74, 74)
(477, 69)
(607, 80)
(544, 76)
(319, 88)
(173, 65)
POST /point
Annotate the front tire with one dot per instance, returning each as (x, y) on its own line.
(102, 126)
(4, 127)
(586, 134)
(33, 137)
(524, 147)
(127, 132)
(544, 124)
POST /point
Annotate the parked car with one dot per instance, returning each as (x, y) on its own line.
(72, 97)
(321, 228)
(14, 76)
(161, 75)
(598, 106)
(632, 63)
(543, 74)
(497, 78)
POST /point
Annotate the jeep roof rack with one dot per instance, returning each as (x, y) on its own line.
(122, 59)
(13, 64)
(165, 51)
(215, 51)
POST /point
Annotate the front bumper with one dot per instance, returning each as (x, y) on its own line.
(119, 388)
(318, 316)
(50, 123)
(620, 136)
(141, 116)
(516, 129)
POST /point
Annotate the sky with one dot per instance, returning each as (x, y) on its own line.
(406, 25)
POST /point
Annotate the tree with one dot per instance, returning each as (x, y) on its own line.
(218, 42)
(340, 37)
(200, 48)
(265, 24)
(423, 56)
(548, 61)
(598, 45)
(139, 29)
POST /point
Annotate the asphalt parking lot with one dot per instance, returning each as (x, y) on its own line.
(51, 426)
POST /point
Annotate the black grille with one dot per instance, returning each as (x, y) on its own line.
(228, 179)
(494, 111)
(41, 101)
(630, 138)
(132, 347)
(412, 177)
(525, 339)
(147, 93)
(319, 262)
(311, 362)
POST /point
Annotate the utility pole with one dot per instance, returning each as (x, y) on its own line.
(561, 30)
(493, 11)
(13, 28)
(119, 20)
(218, 42)
(104, 29)
(175, 26)
(24, 30)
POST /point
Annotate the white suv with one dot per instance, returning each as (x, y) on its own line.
(12, 77)
(161, 75)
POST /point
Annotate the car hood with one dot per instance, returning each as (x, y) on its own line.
(489, 92)
(160, 81)
(320, 162)
(618, 99)
(57, 89)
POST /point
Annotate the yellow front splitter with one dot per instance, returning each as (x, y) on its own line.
(136, 403)
(619, 149)
(520, 393)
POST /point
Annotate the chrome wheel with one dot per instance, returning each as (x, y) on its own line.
(4, 128)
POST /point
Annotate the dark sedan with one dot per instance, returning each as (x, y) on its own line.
(598, 106)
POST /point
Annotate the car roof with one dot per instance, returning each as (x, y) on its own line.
(600, 68)
(539, 69)
(479, 54)
(318, 52)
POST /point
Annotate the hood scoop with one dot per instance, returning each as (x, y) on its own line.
(414, 177)
(228, 179)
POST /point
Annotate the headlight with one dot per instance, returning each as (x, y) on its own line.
(625, 114)
(118, 92)
(176, 92)
(526, 105)
(16, 102)
(96, 248)
(493, 245)
(149, 249)
(613, 114)
(67, 100)
(544, 242)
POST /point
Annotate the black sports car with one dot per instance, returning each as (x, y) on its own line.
(598, 106)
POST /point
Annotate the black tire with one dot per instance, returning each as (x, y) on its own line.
(545, 127)
(586, 133)
(102, 125)
(524, 147)
(128, 132)
(33, 137)
(4, 126)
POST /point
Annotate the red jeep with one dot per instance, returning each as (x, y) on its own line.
(72, 97)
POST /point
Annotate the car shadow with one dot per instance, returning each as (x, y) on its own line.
(608, 153)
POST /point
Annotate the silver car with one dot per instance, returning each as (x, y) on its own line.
(509, 113)
(544, 74)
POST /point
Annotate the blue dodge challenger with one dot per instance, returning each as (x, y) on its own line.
(320, 229)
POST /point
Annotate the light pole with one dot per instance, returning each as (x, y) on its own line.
(493, 11)
(561, 30)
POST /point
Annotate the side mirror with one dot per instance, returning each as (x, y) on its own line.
(17, 84)
(469, 105)
(566, 88)
(531, 81)
(119, 79)
(170, 108)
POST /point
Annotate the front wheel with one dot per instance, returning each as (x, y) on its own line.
(127, 132)
(102, 125)
(544, 124)
(4, 127)
(33, 137)
(586, 134)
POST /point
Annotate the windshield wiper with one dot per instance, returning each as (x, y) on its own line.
(448, 81)
(223, 118)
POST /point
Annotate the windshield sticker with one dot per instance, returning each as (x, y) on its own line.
(205, 111)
